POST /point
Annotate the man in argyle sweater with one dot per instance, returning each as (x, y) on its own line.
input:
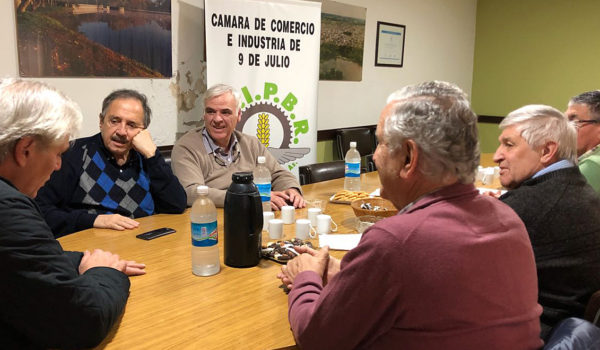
(109, 179)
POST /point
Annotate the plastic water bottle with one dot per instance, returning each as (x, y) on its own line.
(262, 180)
(205, 251)
(352, 176)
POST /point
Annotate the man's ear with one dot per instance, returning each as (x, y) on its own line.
(239, 115)
(22, 151)
(101, 120)
(549, 153)
(408, 164)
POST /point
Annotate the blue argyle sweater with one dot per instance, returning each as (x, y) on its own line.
(106, 189)
(90, 183)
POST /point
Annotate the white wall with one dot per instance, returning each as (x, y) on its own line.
(440, 39)
(163, 94)
(439, 44)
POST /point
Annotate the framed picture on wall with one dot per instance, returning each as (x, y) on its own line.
(94, 38)
(389, 46)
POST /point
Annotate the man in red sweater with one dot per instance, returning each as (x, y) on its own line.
(452, 270)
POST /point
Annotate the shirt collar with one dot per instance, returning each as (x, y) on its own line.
(212, 147)
(561, 164)
(589, 153)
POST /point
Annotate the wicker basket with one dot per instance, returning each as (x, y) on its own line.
(390, 209)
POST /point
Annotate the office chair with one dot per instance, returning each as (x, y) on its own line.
(321, 171)
(364, 141)
(370, 163)
(165, 151)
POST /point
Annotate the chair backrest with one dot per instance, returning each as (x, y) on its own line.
(365, 141)
(370, 163)
(574, 334)
(321, 171)
(165, 151)
(592, 310)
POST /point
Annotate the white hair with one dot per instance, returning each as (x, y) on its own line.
(220, 89)
(31, 108)
(437, 116)
(538, 124)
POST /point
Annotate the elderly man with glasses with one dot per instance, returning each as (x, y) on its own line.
(584, 111)
(209, 155)
(111, 178)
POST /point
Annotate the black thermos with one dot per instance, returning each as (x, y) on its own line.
(243, 222)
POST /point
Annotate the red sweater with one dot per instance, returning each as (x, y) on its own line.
(456, 271)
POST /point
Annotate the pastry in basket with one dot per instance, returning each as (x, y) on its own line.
(282, 251)
(349, 196)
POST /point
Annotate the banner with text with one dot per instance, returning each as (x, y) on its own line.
(270, 52)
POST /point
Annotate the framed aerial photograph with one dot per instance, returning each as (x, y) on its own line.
(94, 38)
(389, 47)
(342, 41)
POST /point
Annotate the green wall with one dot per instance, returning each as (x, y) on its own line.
(532, 51)
(326, 151)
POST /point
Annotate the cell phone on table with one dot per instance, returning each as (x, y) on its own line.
(159, 232)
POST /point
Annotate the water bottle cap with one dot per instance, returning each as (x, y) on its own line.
(261, 160)
(242, 177)
(352, 144)
(202, 189)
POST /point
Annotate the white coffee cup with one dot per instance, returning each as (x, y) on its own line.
(324, 223)
(267, 215)
(480, 173)
(488, 176)
(312, 215)
(287, 214)
(276, 229)
(304, 230)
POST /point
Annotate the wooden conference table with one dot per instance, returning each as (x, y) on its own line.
(169, 307)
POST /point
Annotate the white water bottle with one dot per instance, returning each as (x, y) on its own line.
(205, 251)
(352, 175)
(262, 180)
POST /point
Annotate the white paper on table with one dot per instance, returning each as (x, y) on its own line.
(340, 241)
(374, 193)
(483, 190)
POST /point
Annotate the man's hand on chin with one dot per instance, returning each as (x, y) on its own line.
(142, 142)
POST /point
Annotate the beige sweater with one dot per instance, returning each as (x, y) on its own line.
(193, 166)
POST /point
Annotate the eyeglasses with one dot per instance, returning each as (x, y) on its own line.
(580, 123)
(114, 122)
(219, 160)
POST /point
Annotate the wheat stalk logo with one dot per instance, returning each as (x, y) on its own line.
(263, 132)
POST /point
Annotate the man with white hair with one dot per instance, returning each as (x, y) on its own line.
(584, 112)
(446, 272)
(49, 298)
(210, 155)
(537, 156)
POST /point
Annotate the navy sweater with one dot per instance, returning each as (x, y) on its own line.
(90, 183)
(562, 215)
